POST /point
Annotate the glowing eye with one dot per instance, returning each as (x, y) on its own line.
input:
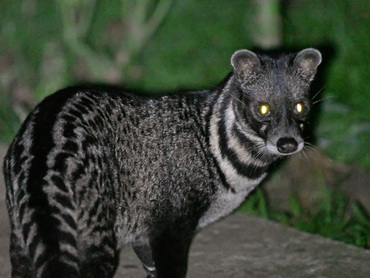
(264, 109)
(299, 107)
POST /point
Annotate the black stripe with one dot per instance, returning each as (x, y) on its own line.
(17, 155)
(64, 201)
(55, 267)
(36, 239)
(58, 182)
(68, 219)
(43, 257)
(61, 164)
(69, 127)
(70, 146)
(69, 257)
(80, 170)
(22, 206)
(45, 119)
(250, 171)
(26, 228)
(208, 117)
(81, 108)
(67, 238)
(246, 142)
(93, 212)
(88, 102)
(75, 113)
(251, 146)
(68, 118)
(18, 150)
(221, 128)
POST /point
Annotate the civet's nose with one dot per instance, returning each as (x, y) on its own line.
(287, 145)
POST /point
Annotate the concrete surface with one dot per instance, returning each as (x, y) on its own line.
(242, 246)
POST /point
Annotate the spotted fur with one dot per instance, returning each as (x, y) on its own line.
(92, 170)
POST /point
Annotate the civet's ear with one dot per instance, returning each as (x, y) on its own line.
(306, 63)
(245, 62)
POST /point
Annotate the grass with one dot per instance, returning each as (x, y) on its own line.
(335, 217)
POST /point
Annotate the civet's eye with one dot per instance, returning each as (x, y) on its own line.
(299, 108)
(264, 109)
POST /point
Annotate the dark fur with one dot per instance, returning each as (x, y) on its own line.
(93, 170)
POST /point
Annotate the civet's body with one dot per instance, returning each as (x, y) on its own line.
(93, 170)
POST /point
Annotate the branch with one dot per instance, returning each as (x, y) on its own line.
(74, 30)
(140, 26)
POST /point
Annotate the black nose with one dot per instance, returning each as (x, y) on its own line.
(287, 145)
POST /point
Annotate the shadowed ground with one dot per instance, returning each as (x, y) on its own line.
(241, 246)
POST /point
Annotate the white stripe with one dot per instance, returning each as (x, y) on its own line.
(232, 177)
(242, 153)
(225, 201)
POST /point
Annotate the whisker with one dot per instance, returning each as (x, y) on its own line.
(311, 147)
(237, 99)
(318, 92)
(305, 154)
(322, 99)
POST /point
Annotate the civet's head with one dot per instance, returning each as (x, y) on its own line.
(273, 96)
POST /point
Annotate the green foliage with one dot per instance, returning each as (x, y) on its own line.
(52, 44)
(335, 217)
(344, 122)
(193, 47)
(46, 45)
(256, 204)
(10, 121)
